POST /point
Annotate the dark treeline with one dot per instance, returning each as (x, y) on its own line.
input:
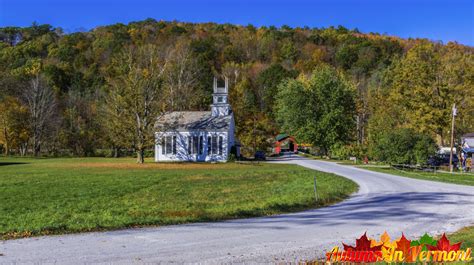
(98, 92)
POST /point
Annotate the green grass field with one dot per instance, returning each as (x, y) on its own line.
(466, 235)
(51, 196)
(456, 178)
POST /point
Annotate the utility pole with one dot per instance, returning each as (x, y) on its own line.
(452, 139)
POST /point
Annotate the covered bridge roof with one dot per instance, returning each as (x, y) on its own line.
(282, 136)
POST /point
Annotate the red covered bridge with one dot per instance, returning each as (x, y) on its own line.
(285, 143)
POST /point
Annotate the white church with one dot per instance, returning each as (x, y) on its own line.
(198, 135)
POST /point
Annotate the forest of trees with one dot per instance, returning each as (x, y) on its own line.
(99, 92)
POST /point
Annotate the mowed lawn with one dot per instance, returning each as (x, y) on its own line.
(51, 196)
(456, 178)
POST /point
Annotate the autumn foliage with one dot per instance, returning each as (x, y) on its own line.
(93, 79)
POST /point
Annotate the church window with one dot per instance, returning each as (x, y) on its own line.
(200, 145)
(208, 145)
(163, 147)
(221, 144)
(195, 144)
(174, 145)
(214, 144)
(168, 144)
(190, 144)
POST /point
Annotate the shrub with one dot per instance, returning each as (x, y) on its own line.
(149, 153)
(103, 153)
(232, 154)
(424, 148)
(346, 151)
(403, 146)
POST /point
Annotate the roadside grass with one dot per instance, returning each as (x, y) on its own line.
(441, 176)
(319, 157)
(327, 159)
(466, 235)
(66, 195)
(456, 178)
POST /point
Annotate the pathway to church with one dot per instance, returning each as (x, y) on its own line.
(384, 202)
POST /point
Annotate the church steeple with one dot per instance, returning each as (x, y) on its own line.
(220, 102)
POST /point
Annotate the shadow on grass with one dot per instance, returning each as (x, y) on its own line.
(363, 211)
(12, 163)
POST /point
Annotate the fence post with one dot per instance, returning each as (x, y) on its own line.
(315, 190)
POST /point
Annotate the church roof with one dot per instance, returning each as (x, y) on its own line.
(191, 121)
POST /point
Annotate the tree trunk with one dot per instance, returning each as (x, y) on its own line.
(140, 156)
(7, 146)
(23, 149)
(36, 146)
(115, 151)
(7, 149)
(36, 150)
(254, 136)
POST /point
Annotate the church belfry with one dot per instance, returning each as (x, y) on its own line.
(220, 99)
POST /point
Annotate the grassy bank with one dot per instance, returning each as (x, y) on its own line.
(50, 196)
(466, 235)
(456, 178)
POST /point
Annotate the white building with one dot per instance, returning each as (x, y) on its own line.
(468, 145)
(197, 135)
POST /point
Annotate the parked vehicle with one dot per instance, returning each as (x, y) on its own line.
(260, 155)
(442, 160)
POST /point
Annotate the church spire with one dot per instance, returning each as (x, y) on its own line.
(220, 102)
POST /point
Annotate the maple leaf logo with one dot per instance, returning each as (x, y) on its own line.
(410, 249)
(443, 244)
(385, 241)
(403, 244)
(388, 246)
(424, 241)
(362, 244)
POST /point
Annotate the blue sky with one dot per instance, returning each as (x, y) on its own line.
(450, 20)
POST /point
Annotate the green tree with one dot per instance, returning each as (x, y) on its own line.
(347, 55)
(253, 128)
(181, 78)
(136, 92)
(80, 129)
(424, 86)
(293, 111)
(42, 107)
(403, 146)
(14, 129)
(319, 110)
(268, 81)
(424, 147)
(288, 52)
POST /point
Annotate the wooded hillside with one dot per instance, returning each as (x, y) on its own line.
(86, 92)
